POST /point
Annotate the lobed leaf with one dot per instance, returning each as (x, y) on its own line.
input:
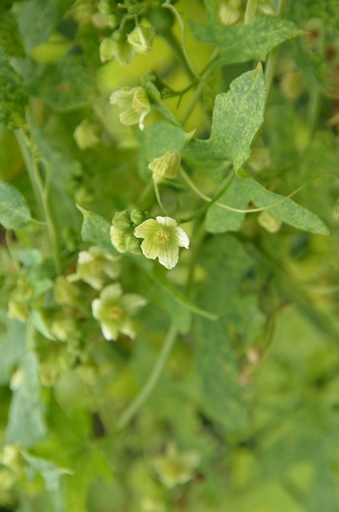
(95, 229)
(14, 212)
(13, 95)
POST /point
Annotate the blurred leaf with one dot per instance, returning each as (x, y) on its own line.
(237, 116)
(10, 38)
(14, 212)
(38, 18)
(241, 42)
(95, 229)
(12, 346)
(328, 10)
(65, 85)
(26, 424)
(49, 472)
(161, 137)
(13, 95)
(217, 369)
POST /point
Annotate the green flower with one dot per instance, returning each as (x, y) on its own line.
(114, 310)
(86, 134)
(118, 48)
(163, 238)
(93, 267)
(176, 468)
(141, 38)
(135, 103)
(165, 167)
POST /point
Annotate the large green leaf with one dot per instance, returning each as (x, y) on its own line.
(26, 424)
(163, 136)
(65, 85)
(14, 212)
(13, 95)
(10, 38)
(237, 116)
(245, 190)
(38, 18)
(243, 42)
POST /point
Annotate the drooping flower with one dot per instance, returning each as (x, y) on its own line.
(162, 239)
(93, 267)
(111, 47)
(135, 103)
(175, 468)
(165, 167)
(114, 311)
(141, 38)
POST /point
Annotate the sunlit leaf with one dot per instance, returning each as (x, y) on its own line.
(14, 212)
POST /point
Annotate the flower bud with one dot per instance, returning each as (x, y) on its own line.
(86, 134)
(107, 49)
(165, 167)
(230, 13)
(137, 216)
(141, 38)
(269, 222)
(121, 220)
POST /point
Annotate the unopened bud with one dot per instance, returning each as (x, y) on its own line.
(165, 167)
(141, 38)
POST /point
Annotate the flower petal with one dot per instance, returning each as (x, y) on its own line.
(129, 117)
(168, 255)
(113, 291)
(131, 302)
(110, 331)
(182, 238)
(166, 221)
(96, 308)
(146, 229)
(150, 249)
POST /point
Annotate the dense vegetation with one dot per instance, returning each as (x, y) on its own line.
(169, 271)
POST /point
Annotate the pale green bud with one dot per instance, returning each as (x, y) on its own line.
(230, 13)
(132, 244)
(86, 134)
(269, 222)
(121, 220)
(137, 216)
(65, 292)
(18, 310)
(107, 49)
(165, 167)
(118, 239)
(141, 38)
(176, 468)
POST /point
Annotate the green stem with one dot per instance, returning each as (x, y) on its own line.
(41, 190)
(180, 51)
(158, 196)
(150, 384)
(273, 56)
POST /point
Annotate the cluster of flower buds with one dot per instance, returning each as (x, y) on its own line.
(122, 231)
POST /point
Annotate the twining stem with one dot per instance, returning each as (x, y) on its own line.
(150, 384)
(41, 190)
(180, 52)
(195, 189)
(158, 196)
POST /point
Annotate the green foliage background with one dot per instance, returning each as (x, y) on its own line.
(227, 399)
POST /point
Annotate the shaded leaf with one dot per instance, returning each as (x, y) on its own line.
(12, 346)
(13, 95)
(49, 472)
(216, 366)
(38, 18)
(65, 85)
(10, 38)
(14, 212)
(26, 424)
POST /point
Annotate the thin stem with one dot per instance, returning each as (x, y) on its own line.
(180, 52)
(158, 196)
(150, 384)
(273, 55)
(195, 189)
(41, 190)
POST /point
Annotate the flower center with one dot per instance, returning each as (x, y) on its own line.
(95, 267)
(161, 237)
(115, 312)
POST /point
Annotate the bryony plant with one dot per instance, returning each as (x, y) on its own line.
(134, 103)
(162, 239)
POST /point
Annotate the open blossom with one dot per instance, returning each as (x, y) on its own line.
(114, 311)
(94, 265)
(135, 105)
(162, 239)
